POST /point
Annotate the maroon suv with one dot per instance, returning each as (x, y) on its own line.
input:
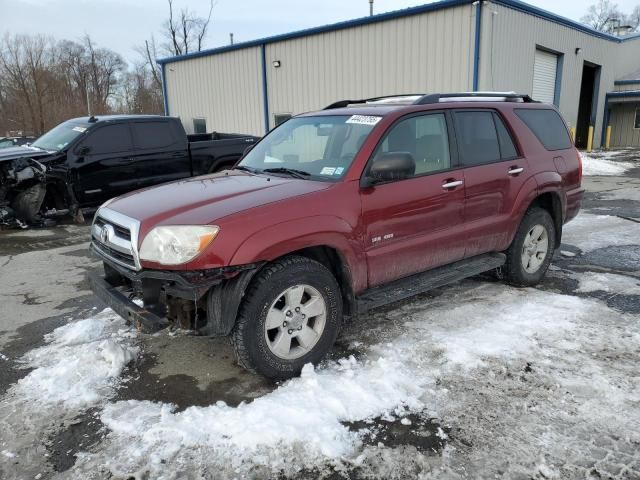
(334, 212)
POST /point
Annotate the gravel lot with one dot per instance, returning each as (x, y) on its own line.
(475, 380)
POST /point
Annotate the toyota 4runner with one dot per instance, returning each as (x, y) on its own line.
(338, 211)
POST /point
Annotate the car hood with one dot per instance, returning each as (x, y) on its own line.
(203, 200)
(13, 153)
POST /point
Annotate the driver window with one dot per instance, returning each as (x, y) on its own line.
(303, 145)
(425, 137)
(108, 139)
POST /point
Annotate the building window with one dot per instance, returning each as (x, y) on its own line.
(279, 118)
(636, 123)
(199, 125)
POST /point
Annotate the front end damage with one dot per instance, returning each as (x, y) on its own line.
(22, 191)
(32, 194)
(205, 301)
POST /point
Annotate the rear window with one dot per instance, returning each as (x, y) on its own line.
(150, 135)
(547, 126)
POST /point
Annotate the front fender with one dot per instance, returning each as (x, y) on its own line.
(286, 237)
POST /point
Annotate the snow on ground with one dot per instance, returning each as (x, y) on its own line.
(300, 424)
(607, 282)
(604, 163)
(79, 366)
(590, 232)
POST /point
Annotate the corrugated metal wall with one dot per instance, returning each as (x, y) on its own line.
(429, 52)
(508, 45)
(225, 89)
(622, 122)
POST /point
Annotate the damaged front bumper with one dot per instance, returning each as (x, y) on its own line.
(203, 300)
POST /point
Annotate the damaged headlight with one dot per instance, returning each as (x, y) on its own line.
(173, 245)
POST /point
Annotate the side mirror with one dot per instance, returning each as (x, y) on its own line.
(84, 150)
(390, 166)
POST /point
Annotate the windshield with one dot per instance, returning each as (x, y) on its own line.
(59, 137)
(319, 148)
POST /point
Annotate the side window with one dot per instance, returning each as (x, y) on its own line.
(547, 126)
(507, 148)
(149, 135)
(477, 138)
(280, 118)
(199, 125)
(108, 139)
(425, 137)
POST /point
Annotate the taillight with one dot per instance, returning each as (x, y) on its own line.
(579, 167)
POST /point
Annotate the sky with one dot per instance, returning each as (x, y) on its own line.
(122, 24)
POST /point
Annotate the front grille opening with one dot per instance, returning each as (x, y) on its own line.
(122, 232)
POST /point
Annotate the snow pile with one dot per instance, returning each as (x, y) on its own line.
(507, 325)
(607, 282)
(80, 364)
(590, 232)
(602, 163)
(301, 424)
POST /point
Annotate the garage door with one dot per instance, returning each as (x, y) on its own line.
(544, 76)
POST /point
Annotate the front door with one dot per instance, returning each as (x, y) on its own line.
(103, 164)
(415, 224)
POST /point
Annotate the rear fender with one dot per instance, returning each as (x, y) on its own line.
(544, 182)
(284, 238)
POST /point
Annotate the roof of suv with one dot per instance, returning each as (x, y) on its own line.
(381, 106)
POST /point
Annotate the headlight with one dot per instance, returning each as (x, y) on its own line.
(173, 245)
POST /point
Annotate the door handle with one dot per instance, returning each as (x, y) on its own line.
(515, 171)
(452, 184)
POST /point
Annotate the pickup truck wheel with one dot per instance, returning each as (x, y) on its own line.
(530, 253)
(290, 317)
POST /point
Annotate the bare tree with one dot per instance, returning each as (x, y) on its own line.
(605, 16)
(185, 32)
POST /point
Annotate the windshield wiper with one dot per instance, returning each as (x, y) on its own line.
(289, 171)
(245, 169)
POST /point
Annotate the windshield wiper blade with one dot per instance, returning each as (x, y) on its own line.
(290, 171)
(245, 169)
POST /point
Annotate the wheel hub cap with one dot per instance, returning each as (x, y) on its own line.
(295, 322)
(535, 248)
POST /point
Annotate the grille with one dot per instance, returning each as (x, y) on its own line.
(115, 254)
(121, 232)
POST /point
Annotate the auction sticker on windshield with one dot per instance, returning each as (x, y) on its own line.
(364, 119)
(79, 129)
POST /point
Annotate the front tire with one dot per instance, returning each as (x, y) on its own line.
(289, 317)
(530, 253)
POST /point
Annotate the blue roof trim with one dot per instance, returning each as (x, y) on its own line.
(627, 82)
(539, 12)
(407, 12)
(381, 17)
(624, 94)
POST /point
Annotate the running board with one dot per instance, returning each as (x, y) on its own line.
(422, 282)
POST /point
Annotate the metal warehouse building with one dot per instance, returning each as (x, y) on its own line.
(451, 45)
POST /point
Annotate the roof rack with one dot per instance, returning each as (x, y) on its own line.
(425, 99)
(407, 98)
(474, 97)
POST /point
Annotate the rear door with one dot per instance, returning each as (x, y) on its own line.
(415, 224)
(161, 153)
(494, 173)
(103, 165)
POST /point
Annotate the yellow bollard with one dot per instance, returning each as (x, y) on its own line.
(607, 143)
(573, 134)
(590, 139)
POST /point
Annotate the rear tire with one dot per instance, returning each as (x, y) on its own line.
(530, 253)
(290, 316)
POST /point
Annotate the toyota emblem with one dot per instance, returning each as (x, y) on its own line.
(105, 233)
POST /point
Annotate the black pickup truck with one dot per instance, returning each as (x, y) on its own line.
(83, 162)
